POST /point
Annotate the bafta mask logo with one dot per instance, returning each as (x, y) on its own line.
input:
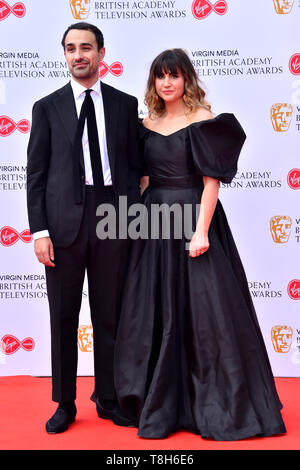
(80, 9)
(293, 289)
(281, 338)
(281, 115)
(280, 227)
(85, 338)
(282, 7)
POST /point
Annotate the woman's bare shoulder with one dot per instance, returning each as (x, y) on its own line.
(202, 114)
(149, 122)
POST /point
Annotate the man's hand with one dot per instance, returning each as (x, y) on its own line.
(44, 251)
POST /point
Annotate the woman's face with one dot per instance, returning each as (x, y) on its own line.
(170, 87)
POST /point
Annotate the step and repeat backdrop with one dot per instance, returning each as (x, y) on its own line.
(247, 55)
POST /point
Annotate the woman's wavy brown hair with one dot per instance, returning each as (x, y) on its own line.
(170, 61)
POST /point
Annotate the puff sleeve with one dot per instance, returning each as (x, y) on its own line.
(216, 145)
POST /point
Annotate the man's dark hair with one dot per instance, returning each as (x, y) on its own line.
(87, 27)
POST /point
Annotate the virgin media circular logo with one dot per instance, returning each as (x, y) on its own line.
(293, 289)
(202, 8)
(115, 69)
(294, 64)
(9, 236)
(18, 9)
(10, 344)
(8, 126)
(293, 178)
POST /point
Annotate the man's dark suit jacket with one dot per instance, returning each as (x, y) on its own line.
(50, 181)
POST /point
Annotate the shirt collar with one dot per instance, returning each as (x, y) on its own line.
(80, 89)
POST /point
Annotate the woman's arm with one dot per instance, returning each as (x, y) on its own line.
(200, 242)
(144, 182)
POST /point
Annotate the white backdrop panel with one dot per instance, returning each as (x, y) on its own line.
(242, 57)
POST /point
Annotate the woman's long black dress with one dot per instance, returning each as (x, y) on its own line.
(189, 350)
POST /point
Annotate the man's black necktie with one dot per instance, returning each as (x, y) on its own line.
(88, 112)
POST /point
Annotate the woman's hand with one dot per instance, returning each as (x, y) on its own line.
(199, 245)
(199, 242)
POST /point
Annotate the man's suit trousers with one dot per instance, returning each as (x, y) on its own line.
(104, 262)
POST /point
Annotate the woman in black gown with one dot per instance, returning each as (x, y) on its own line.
(189, 350)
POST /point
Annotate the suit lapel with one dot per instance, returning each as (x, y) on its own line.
(111, 113)
(65, 106)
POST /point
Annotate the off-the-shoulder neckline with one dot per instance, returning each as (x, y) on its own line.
(186, 127)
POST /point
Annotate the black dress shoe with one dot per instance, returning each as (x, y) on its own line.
(61, 419)
(115, 414)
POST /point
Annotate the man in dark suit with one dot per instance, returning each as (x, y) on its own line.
(65, 184)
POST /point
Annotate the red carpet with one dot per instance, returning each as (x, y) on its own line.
(25, 406)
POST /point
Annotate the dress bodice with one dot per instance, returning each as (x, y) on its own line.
(209, 148)
(168, 155)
